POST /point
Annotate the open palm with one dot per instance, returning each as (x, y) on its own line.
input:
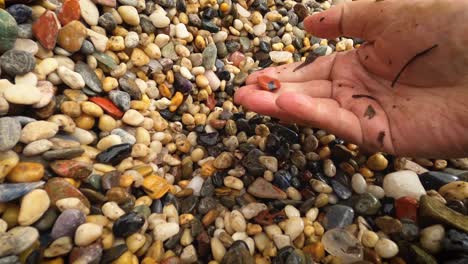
(425, 114)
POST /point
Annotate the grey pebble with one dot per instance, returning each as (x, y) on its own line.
(89, 76)
(124, 135)
(10, 131)
(120, 99)
(68, 153)
(17, 62)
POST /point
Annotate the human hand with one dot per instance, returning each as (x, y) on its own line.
(350, 94)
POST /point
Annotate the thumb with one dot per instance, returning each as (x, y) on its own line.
(362, 19)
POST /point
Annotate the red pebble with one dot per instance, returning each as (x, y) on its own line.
(45, 29)
(236, 58)
(211, 102)
(70, 11)
(406, 208)
(267, 83)
(108, 106)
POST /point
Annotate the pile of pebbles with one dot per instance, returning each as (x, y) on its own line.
(120, 143)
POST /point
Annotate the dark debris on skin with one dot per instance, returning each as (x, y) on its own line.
(370, 112)
(381, 137)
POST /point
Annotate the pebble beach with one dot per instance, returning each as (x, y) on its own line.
(120, 142)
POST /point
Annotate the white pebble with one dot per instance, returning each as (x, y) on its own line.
(386, 248)
(403, 183)
(358, 183)
(87, 233)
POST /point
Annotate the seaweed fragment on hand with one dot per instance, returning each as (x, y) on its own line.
(380, 138)
(370, 112)
(309, 59)
(357, 96)
(422, 53)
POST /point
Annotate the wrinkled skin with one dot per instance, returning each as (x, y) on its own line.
(424, 115)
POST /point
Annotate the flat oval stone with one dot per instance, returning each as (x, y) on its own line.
(339, 242)
(341, 190)
(261, 188)
(45, 29)
(128, 224)
(24, 237)
(59, 188)
(67, 223)
(8, 31)
(107, 106)
(72, 169)
(115, 154)
(12, 191)
(20, 12)
(431, 210)
(17, 62)
(47, 220)
(10, 129)
(89, 76)
(338, 216)
(433, 180)
(69, 153)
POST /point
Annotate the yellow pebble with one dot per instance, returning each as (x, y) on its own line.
(164, 90)
(139, 57)
(224, 7)
(107, 123)
(125, 180)
(53, 261)
(10, 215)
(109, 84)
(91, 109)
(144, 200)
(176, 101)
(207, 169)
(85, 122)
(155, 186)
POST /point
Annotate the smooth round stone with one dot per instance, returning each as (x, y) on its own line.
(294, 227)
(67, 223)
(358, 183)
(129, 15)
(367, 204)
(89, 12)
(33, 206)
(164, 231)
(108, 22)
(127, 224)
(27, 45)
(338, 216)
(87, 233)
(26, 172)
(22, 94)
(457, 190)
(160, 20)
(338, 242)
(38, 130)
(71, 36)
(10, 129)
(17, 62)
(386, 248)
(8, 31)
(20, 12)
(37, 147)
(261, 188)
(403, 183)
(280, 56)
(87, 47)
(431, 238)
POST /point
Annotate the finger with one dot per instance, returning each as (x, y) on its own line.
(324, 113)
(263, 102)
(318, 70)
(364, 19)
(316, 88)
